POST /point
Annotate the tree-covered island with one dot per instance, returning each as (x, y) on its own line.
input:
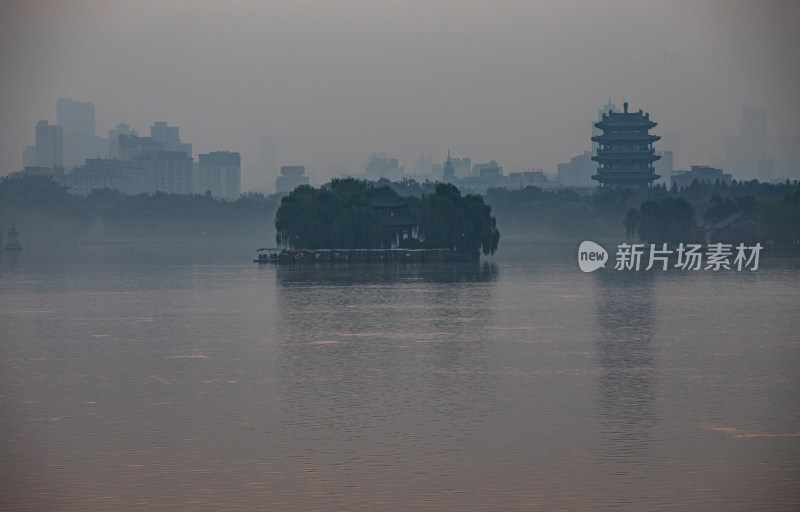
(349, 214)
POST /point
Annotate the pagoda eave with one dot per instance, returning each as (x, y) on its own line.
(625, 138)
(627, 181)
(625, 126)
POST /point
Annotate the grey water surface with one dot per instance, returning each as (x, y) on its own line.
(184, 377)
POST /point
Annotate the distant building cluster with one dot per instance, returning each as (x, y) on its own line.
(578, 172)
(700, 173)
(622, 155)
(382, 167)
(74, 156)
(746, 154)
(460, 171)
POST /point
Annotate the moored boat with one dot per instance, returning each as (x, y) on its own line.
(276, 255)
(267, 255)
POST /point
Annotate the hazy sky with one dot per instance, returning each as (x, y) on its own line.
(331, 82)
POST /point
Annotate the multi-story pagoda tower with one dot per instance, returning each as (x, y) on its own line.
(625, 152)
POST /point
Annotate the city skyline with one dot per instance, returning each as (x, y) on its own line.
(332, 83)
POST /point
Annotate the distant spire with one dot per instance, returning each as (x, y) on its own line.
(449, 172)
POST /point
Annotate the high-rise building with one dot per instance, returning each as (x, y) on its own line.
(491, 168)
(219, 172)
(448, 171)
(754, 128)
(788, 158)
(578, 172)
(744, 152)
(75, 116)
(608, 107)
(292, 176)
(113, 138)
(29, 156)
(670, 143)
(765, 169)
(626, 153)
(49, 144)
(381, 166)
(131, 146)
(268, 165)
(169, 135)
(424, 164)
(100, 173)
(699, 173)
(80, 142)
(462, 166)
(665, 165)
(166, 171)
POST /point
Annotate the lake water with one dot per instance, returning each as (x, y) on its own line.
(185, 377)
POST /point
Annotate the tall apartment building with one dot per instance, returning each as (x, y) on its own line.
(381, 166)
(49, 144)
(744, 152)
(219, 172)
(80, 141)
(113, 138)
(166, 171)
(101, 173)
(170, 137)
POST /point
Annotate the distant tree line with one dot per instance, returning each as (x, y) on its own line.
(341, 215)
(650, 214)
(563, 213)
(43, 209)
(771, 210)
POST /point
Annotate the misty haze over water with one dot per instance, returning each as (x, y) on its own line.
(147, 363)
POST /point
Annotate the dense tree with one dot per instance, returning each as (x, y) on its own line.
(720, 208)
(465, 224)
(631, 222)
(779, 220)
(341, 215)
(671, 219)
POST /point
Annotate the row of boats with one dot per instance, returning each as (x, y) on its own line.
(276, 255)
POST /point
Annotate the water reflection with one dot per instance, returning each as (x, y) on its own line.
(624, 349)
(383, 368)
(371, 273)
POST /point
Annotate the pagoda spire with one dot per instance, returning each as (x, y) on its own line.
(625, 151)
